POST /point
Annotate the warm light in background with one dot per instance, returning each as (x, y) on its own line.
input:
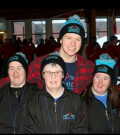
(1, 32)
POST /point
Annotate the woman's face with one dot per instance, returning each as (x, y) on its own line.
(53, 75)
(17, 74)
(101, 82)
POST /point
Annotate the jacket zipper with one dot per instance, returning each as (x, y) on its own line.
(106, 114)
(55, 105)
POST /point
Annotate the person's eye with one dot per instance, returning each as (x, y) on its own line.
(78, 39)
(57, 72)
(105, 78)
(67, 37)
(97, 76)
(48, 73)
(19, 68)
(11, 69)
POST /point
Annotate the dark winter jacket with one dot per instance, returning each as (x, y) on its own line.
(103, 120)
(42, 114)
(11, 105)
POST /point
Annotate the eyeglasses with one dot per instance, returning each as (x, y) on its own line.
(48, 73)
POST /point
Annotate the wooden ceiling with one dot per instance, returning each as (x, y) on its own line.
(17, 14)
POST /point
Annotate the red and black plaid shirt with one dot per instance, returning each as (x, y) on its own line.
(83, 73)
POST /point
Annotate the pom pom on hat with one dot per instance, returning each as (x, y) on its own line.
(105, 59)
(73, 25)
(105, 65)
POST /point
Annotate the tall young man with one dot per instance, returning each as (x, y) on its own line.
(79, 70)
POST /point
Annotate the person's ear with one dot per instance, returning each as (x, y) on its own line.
(43, 76)
(61, 41)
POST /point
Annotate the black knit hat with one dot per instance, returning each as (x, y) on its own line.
(105, 65)
(73, 25)
(104, 69)
(20, 57)
(53, 59)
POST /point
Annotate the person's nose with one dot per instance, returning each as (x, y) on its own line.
(73, 42)
(100, 80)
(15, 70)
(53, 75)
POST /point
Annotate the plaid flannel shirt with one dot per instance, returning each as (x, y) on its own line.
(83, 73)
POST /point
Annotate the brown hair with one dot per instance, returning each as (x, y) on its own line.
(114, 95)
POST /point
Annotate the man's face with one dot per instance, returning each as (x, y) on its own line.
(71, 43)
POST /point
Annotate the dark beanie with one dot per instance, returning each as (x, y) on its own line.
(105, 65)
(104, 69)
(20, 57)
(53, 59)
(73, 25)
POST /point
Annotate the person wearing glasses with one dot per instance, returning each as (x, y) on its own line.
(79, 69)
(55, 109)
(14, 95)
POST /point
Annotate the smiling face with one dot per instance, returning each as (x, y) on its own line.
(17, 74)
(101, 82)
(70, 44)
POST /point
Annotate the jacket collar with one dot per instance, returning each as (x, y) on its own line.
(66, 91)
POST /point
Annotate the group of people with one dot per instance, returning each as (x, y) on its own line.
(60, 92)
(46, 46)
(112, 47)
(14, 45)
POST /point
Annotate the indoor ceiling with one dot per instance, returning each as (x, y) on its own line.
(16, 14)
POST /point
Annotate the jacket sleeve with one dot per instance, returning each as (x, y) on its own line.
(28, 119)
(80, 125)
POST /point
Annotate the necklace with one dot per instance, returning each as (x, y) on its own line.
(14, 119)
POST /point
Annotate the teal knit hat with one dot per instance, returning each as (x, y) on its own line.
(105, 65)
(73, 25)
(20, 57)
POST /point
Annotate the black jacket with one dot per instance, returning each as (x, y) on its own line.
(42, 114)
(103, 120)
(7, 113)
